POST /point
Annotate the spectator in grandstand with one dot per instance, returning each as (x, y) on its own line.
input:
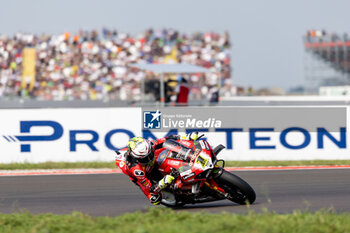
(213, 95)
(182, 92)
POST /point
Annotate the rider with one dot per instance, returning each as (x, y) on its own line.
(140, 161)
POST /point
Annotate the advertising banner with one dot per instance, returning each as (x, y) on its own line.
(92, 134)
(28, 74)
(83, 134)
(259, 133)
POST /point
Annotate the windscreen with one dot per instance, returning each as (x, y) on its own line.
(179, 151)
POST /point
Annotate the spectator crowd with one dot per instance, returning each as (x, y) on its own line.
(332, 48)
(314, 36)
(92, 65)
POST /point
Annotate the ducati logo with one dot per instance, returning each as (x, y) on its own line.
(139, 173)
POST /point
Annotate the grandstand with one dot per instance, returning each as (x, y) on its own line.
(327, 59)
(92, 65)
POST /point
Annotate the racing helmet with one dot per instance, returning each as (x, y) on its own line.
(141, 149)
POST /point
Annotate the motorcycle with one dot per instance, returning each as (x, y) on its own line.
(198, 176)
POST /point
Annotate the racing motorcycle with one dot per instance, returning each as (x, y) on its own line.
(198, 176)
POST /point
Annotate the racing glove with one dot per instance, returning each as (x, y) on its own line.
(155, 198)
(167, 180)
(191, 136)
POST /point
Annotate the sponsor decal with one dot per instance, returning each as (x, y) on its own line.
(206, 145)
(119, 156)
(202, 144)
(193, 157)
(148, 167)
(188, 176)
(139, 173)
(121, 164)
(174, 162)
(196, 152)
(145, 183)
(185, 173)
(184, 168)
(197, 145)
(202, 161)
(186, 143)
(162, 156)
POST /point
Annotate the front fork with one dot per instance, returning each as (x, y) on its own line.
(210, 182)
(213, 185)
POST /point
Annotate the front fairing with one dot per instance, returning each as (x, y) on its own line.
(192, 159)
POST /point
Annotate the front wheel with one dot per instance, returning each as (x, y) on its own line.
(237, 189)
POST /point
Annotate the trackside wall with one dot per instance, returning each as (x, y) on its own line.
(91, 134)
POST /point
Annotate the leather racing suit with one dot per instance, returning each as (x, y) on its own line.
(147, 176)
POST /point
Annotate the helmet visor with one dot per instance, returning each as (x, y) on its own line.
(148, 159)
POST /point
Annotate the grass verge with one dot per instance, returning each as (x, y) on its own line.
(166, 220)
(62, 165)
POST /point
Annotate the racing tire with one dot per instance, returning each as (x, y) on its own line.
(238, 190)
(171, 202)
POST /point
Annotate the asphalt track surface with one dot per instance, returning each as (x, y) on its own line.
(282, 191)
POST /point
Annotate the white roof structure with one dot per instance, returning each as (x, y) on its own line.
(180, 68)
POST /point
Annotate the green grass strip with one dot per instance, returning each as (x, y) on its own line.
(62, 165)
(166, 220)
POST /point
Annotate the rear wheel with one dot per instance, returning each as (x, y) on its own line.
(238, 190)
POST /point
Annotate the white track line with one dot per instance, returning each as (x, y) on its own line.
(45, 172)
